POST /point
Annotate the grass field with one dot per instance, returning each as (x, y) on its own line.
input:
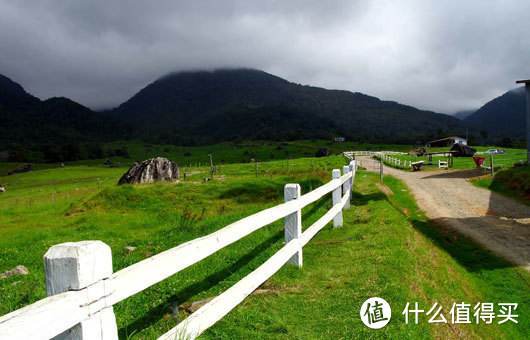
(500, 161)
(386, 248)
(224, 153)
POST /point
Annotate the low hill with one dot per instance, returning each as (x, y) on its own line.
(26, 120)
(213, 106)
(504, 116)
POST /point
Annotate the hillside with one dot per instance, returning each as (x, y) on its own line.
(205, 107)
(212, 106)
(13, 96)
(26, 120)
(463, 114)
(504, 116)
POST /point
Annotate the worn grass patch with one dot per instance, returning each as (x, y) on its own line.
(512, 182)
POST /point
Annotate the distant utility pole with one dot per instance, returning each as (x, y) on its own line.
(212, 169)
(527, 86)
(492, 168)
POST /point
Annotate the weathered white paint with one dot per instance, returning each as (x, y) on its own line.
(76, 265)
(335, 198)
(85, 266)
(293, 222)
(44, 319)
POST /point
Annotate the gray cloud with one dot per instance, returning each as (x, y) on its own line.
(439, 55)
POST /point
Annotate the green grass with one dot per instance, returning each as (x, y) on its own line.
(223, 153)
(506, 160)
(512, 182)
(386, 248)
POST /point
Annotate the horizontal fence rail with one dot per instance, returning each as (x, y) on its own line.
(385, 156)
(82, 288)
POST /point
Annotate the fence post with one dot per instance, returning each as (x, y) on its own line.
(492, 170)
(293, 222)
(353, 169)
(83, 265)
(346, 186)
(336, 197)
(381, 172)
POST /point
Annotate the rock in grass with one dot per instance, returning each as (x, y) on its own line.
(130, 249)
(18, 270)
(150, 171)
(194, 306)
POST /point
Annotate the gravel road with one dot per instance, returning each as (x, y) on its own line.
(446, 196)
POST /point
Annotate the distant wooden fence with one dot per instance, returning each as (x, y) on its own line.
(82, 288)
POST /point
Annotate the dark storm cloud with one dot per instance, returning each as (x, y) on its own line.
(440, 55)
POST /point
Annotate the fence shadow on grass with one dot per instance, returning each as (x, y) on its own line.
(466, 251)
(186, 293)
(496, 238)
(499, 239)
(359, 199)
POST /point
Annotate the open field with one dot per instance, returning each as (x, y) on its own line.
(224, 153)
(386, 248)
(505, 160)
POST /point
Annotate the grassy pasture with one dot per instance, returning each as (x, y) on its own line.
(506, 160)
(386, 248)
(223, 153)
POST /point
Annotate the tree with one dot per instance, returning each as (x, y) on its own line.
(71, 152)
(18, 154)
(95, 151)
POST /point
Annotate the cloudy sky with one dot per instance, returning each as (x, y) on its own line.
(438, 55)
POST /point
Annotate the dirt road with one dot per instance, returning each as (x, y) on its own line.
(497, 222)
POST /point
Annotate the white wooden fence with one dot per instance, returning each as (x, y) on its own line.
(352, 154)
(395, 162)
(386, 156)
(82, 287)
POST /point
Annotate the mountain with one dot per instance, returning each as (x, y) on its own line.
(13, 96)
(203, 107)
(463, 114)
(504, 116)
(26, 120)
(228, 104)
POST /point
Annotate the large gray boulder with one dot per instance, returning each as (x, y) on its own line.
(150, 171)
